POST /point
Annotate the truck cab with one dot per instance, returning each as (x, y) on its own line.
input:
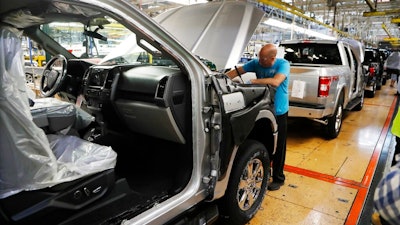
(152, 133)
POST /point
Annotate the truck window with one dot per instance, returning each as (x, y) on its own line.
(312, 53)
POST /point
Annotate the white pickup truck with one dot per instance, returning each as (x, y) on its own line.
(326, 78)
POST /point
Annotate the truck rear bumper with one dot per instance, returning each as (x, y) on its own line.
(312, 113)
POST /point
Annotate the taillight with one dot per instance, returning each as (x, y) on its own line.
(371, 71)
(325, 85)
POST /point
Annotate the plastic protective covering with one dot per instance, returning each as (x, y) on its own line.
(393, 61)
(59, 116)
(27, 160)
(357, 47)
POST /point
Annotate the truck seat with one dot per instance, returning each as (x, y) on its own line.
(29, 159)
(57, 116)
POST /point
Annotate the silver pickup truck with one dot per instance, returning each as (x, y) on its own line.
(143, 130)
(326, 78)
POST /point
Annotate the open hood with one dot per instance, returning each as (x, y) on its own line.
(217, 31)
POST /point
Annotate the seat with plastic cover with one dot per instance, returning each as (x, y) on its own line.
(30, 159)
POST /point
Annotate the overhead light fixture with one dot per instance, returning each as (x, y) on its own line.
(292, 27)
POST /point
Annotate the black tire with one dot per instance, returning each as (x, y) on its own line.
(371, 94)
(235, 207)
(335, 121)
(384, 79)
(379, 85)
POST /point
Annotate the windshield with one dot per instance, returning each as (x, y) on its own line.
(105, 43)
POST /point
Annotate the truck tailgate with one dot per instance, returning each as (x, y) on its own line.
(304, 83)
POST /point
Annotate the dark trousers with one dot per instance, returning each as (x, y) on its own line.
(278, 160)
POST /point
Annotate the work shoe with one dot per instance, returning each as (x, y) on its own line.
(275, 186)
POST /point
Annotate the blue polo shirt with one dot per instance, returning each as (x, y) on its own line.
(281, 100)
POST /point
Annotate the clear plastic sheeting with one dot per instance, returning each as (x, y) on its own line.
(25, 18)
(57, 115)
(53, 114)
(393, 61)
(76, 156)
(22, 19)
(27, 161)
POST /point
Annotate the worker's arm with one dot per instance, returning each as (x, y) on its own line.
(274, 81)
(234, 73)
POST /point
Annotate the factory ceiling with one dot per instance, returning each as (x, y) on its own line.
(372, 22)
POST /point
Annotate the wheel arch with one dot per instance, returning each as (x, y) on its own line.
(265, 130)
(344, 93)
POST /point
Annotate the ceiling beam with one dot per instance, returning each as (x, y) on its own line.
(381, 13)
(395, 42)
(371, 5)
(298, 12)
(386, 30)
(395, 20)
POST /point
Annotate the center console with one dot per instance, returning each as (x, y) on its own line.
(97, 85)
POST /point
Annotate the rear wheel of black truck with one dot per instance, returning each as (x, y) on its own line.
(335, 121)
(371, 93)
(247, 184)
(378, 83)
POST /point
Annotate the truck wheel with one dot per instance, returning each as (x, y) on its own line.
(371, 94)
(247, 184)
(384, 79)
(379, 84)
(335, 121)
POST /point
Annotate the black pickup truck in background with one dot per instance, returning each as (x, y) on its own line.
(373, 67)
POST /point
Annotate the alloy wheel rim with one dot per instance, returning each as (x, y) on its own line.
(250, 184)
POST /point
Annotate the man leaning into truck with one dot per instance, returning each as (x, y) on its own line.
(272, 71)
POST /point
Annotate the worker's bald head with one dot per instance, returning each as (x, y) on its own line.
(267, 55)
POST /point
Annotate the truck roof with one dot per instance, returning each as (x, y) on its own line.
(357, 47)
(309, 41)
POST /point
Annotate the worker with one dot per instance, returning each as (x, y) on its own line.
(393, 68)
(387, 199)
(273, 71)
(395, 130)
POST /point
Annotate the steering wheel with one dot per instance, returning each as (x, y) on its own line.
(53, 76)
